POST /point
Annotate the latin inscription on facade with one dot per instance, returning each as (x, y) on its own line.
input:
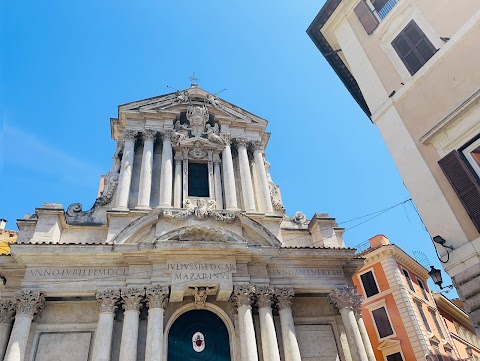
(305, 272)
(75, 272)
(201, 271)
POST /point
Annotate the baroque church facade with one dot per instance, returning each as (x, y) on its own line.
(187, 254)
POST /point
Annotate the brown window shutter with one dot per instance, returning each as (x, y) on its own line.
(366, 17)
(464, 183)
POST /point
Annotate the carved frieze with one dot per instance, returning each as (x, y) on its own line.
(264, 296)
(242, 295)
(200, 209)
(131, 297)
(7, 310)
(157, 296)
(107, 299)
(345, 297)
(284, 297)
(29, 302)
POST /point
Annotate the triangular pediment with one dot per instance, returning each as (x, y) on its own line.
(388, 344)
(180, 100)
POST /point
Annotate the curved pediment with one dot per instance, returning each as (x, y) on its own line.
(201, 233)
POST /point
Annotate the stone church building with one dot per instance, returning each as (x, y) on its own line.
(187, 254)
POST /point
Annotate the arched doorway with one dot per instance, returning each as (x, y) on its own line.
(198, 335)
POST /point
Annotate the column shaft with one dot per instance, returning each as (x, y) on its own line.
(365, 338)
(177, 186)
(5, 329)
(229, 179)
(154, 344)
(166, 173)
(262, 177)
(218, 184)
(268, 334)
(290, 343)
(145, 185)
(102, 346)
(128, 346)
(126, 170)
(245, 176)
(353, 334)
(247, 333)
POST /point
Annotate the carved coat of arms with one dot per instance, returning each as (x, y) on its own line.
(198, 342)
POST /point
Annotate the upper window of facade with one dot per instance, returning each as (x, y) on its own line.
(395, 357)
(369, 284)
(382, 322)
(198, 180)
(472, 153)
(413, 47)
(424, 318)
(437, 324)
(424, 291)
(409, 280)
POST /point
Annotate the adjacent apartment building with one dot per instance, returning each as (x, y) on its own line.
(400, 314)
(413, 68)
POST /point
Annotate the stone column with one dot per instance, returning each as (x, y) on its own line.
(102, 346)
(345, 299)
(245, 175)
(131, 297)
(290, 343)
(157, 297)
(177, 185)
(29, 304)
(267, 326)
(363, 330)
(126, 169)
(218, 183)
(229, 176)
(262, 176)
(7, 310)
(242, 296)
(166, 172)
(145, 186)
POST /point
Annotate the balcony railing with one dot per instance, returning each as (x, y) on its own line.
(389, 5)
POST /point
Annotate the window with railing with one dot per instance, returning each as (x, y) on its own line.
(371, 12)
(383, 7)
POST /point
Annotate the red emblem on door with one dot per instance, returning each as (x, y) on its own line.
(198, 341)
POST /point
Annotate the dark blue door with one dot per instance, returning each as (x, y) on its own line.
(198, 335)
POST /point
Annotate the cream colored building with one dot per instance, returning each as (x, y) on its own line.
(187, 254)
(412, 66)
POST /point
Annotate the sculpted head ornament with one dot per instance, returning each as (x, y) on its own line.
(198, 117)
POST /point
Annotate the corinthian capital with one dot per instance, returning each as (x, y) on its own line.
(227, 138)
(131, 297)
(242, 295)
(241, 142)
(257, 145)
(264, 296)
(345, 297)
(130, 135)
(107, 299)
(7, 309)
(29, 302)
(284, 297)
(157, 296)
(149, 134)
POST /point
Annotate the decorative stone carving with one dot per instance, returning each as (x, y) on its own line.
(168, 134)
(242, 295)
(131, 297)
(157, 296)
(299, 218)
(182, 96)
(7, 310)
(29, 302)
(213, 134)
(200, 296)
(198, 117)
(264, 296)
(201, 209)
(212, 100)
(284, 297)
(198, 152)
(149, 134)
(241, 142)
(117, 159)
(107, 300)
(275, 198)
(227, 138)
(227, 217)
(181, 132)
(130, 135)
(345, 297)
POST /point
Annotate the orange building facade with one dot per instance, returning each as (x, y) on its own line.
(400, 314)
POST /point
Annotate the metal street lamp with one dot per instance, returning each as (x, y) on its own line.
(436, 275)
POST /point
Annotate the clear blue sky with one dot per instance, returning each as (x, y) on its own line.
(67, 65)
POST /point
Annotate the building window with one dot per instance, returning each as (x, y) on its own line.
(383, 7)
(461, 167)
(382, 322)
(449, 353)
(395, 357)
(409, 280)
(369, 284)
(424, 291)
(422, 315)
(413, 47)
(198, 180)
(436, 350)
(437, 324)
